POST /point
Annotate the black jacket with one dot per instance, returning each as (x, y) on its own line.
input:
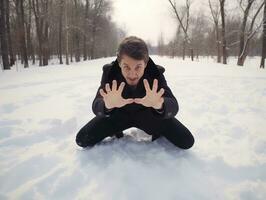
(112, 72)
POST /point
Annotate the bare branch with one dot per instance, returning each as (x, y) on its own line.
(179, 19)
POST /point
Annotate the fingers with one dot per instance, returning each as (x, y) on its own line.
(121, 87)
(128, 101)
(138, 100)
(161, 100)
(107, 87)
(102, 93)
(161, 92)
(155, 85)
(114, 85)
(146, 85)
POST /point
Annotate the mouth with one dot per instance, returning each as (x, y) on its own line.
(134, 81)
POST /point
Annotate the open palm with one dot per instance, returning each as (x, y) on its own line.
(112, 97)
(152, 98)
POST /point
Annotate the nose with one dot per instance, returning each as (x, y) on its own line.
(132, 74)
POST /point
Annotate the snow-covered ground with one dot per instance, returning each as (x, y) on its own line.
(224, 106)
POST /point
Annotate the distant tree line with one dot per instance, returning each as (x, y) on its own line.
(220, 32)
(72, 30)
(35, 31)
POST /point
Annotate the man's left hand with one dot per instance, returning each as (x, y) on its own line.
(153, 98)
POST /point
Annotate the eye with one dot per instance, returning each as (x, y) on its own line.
(126, 68)
(138, 68)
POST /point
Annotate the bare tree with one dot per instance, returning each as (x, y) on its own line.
(215, 12)
(176, 43)
(29, 34)
(60, 27)
(40, 9)
(245, 36)
(86, 30)
(223, 31)
(67, 32)
(184, 26)
(263, 49)
(187, 39)
(160, 45)
(21, 33)
(199, 30)
(77, 32)
(3, 35)
(96, 11)
(10, 42)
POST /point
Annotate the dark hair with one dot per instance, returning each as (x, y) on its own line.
(133, 47)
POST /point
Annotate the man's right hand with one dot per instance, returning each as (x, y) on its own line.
(112, 97)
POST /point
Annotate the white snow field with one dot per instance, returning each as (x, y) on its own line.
(42, 109)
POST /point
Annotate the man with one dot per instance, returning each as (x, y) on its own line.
(134, 93)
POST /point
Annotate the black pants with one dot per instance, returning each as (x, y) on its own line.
(101, 127)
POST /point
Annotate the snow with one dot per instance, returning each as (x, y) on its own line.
(224, 106)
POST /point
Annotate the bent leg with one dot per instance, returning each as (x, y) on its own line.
(171, 129)
(99, 128)
(177, 133)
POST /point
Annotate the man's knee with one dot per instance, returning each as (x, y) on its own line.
(83, 140)
(185, 142)
(188, 143)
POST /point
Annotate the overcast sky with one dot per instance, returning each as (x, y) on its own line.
(145, 18)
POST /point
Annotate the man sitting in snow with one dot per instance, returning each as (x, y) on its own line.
(134, 93)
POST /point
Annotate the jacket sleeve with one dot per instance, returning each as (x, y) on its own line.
(170, 105)
(98, 106)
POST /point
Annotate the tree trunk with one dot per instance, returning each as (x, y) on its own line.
(46, 44)
(22, 38)
(77, 34)
(46, 52)
(241, 56)
(223, 32)
(86, 20)
(10, 43)
(263, 50)
(38, 22)
(71, 50)
(72, 47)
(218, 46)
(215, 17)
(192, 54)
(244, 40)
(3, 35)
(184, 50)
(241, 59)
(67, 34)
(60, 31)
(40, 10)
(29, 40)
(93, 42)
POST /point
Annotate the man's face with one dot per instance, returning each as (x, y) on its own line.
(132, 69)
